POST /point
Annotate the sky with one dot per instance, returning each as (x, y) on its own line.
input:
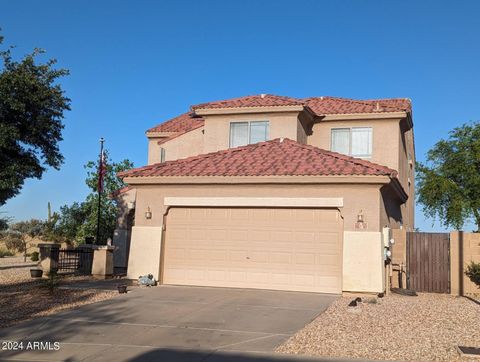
(134, 64)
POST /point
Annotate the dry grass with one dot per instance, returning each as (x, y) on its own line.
(23, 298)
(423, 328)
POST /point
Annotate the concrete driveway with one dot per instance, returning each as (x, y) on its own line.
(172, 324)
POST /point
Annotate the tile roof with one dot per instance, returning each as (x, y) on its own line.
(261, 100)
(333, 105)
(182, 123)
(279, 157)
(321, 106)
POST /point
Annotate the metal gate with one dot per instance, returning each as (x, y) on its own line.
(428, 262)
(78, 260)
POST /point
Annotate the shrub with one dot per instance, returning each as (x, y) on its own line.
(5, 252)
(34, 256)
(473, 272)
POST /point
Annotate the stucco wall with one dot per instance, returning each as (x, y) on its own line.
(186, 145)
(356, 197)
(363, 268)
(464, 248)
(145, 252)
(406, 174)
(217, 127)
(385, 138)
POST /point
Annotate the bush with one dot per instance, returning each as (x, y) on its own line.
(13, 242)
(5, 252)
(34, 256)
(473, 272)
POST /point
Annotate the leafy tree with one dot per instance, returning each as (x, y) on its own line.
(4, 223)
(79, 220)
(109, 206)
(32, 107)
(19, 234)
(448, 185)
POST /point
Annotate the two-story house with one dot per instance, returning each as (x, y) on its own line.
(272, 192)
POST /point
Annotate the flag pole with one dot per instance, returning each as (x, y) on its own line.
(100, 170)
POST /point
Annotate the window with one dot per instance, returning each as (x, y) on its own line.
(356, 142)
(162, 154)
(244, 133)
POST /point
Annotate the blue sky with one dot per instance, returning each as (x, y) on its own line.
(136, 63)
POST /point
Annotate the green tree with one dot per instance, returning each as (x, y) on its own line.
(448, 185)
(109, 207)
(79, 220)
(32, 106)
(20, 233)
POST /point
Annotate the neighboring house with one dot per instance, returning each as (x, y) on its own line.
(273, 192)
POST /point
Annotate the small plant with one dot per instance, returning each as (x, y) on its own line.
(34, 256)
(5, 252)
(473, 272)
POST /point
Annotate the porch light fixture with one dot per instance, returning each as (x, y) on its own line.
(148, 213)
(360, 217)
(361, 224)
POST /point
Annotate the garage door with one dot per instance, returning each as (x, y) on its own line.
(282, 249)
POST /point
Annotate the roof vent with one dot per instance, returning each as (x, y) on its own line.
(377, 108)
(262, 95)
(281, 139)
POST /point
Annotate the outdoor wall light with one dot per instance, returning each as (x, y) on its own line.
(360, 217)
(361, 224)
(148, 213)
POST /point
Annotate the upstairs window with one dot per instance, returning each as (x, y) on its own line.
(162, 154)
(244, 133)
(355, 142)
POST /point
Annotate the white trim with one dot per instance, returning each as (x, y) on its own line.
(373, 115)
(255, 201)
(237, 110)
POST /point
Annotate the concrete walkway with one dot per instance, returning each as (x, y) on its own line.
(169, 323)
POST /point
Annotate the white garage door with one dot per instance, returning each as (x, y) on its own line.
(282, 249)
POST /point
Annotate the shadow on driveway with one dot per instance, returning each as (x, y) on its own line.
(170, 323)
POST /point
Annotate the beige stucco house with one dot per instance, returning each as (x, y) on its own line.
(271, 192)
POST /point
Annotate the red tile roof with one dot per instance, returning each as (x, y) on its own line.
(332, 105)
(261, 100)
(319, 105)
(182, 123)
(272, 158)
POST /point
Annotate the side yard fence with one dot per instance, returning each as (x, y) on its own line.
(96, 260)
(434, 262)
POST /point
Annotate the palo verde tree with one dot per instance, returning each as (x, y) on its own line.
(19, 234)
(448, 184)
(32, 106)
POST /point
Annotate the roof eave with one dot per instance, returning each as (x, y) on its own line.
(156, 134)
(371, 115)
(348, 179)
(399, 190)
(237, 110)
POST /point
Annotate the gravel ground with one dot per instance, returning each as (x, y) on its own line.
(423, 328)
(14, 260)
(23, 298)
